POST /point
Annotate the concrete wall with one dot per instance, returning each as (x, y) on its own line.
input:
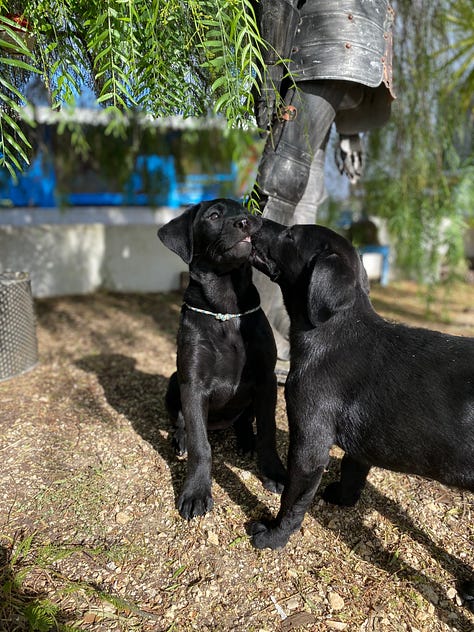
(136, 260)
(59, 259)
(65, 257)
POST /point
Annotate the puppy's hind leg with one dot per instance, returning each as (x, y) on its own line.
(244, 434)
(179, 436)
(272, 470)
(346, 492)
(173, 406)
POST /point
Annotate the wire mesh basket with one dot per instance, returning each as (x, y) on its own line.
(18, 343)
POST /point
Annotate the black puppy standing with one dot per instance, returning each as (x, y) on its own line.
(389, 395)
(225, 350)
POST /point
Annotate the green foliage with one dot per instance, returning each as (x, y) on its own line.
(419, 168)
(41, 615)
(25, 556)
(165, 57)
(15, 58)
(34, 613)
(458, 53)
(232, 55)
(162, 58)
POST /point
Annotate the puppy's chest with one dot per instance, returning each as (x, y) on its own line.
(219, 351)
(226, 373)
(229, 352)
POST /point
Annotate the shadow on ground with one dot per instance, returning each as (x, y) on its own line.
(58, 315)
(353, 531)
(139, 396)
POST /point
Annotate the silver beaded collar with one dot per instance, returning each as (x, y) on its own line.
(222, 317)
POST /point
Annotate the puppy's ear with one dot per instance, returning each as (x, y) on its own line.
(331, 287)
(177, 235)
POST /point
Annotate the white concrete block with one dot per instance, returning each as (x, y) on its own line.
(135, 260)
(60, 260)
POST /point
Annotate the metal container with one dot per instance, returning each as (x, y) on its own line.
(18, 342)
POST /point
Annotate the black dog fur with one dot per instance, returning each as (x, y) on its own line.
(225, 369)
(389, 395)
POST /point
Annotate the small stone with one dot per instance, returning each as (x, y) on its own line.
(292, 603)
(430, 594)
(451, 593)
(122, 517)
(213, 538)
(336, 625)
(336, 602)
(297, 620)
(89, 617)
(170, 613)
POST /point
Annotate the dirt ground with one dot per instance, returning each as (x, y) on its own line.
(90, 537)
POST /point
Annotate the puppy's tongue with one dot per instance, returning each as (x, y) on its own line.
(247, 238)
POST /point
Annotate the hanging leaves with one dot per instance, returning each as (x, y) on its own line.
(163, 58)
(418, 163)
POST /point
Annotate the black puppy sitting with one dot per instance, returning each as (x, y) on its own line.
(225, 353)
(389, 395)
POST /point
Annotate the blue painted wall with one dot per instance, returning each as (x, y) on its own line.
(165, 168)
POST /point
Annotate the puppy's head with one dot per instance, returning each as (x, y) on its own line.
(320, 273)
(217, 233)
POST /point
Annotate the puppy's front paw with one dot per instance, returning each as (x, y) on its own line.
(335, 495)
(266, 537)
(191, 505)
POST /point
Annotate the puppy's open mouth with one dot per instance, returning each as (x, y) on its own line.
(260, 261)
(245, 240)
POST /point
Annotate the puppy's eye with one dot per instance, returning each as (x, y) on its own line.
(289, 235)
(213, 216)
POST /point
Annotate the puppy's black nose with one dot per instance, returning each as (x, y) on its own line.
(243, 223)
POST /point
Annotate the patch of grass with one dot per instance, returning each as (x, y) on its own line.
(20, 608)
(78, 499)
(28, 562)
